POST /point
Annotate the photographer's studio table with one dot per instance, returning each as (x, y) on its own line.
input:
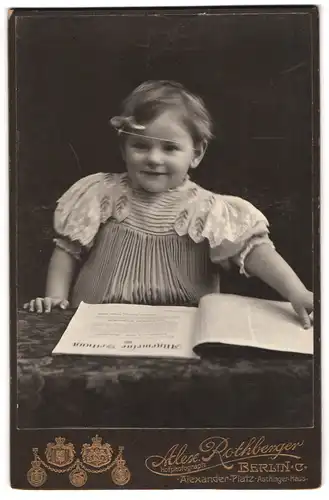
(235, 387)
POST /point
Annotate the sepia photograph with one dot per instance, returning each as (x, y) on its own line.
(156, 169)
(164, 218)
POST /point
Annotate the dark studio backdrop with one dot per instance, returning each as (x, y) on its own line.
(254, 73)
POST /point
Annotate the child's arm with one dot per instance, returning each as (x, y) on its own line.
(60, 274)
(265, 263)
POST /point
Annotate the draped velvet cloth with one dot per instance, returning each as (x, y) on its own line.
(227, 387)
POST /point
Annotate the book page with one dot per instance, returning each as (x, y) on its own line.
(246, 321)
(129, 330)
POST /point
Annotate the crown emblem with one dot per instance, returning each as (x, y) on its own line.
(59, 453)
(97, 454)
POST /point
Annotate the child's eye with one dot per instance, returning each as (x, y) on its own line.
(171, 147)
(140, 145)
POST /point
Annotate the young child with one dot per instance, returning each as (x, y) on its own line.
(151, 235)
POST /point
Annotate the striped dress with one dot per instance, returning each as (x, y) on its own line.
(139, 247)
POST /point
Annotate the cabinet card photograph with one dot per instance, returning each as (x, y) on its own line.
(164, 236)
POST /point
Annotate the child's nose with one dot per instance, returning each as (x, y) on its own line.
(155, 156)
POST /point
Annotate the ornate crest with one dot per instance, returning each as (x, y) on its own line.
(59, 453)
(97, 454)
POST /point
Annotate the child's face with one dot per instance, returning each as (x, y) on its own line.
(159, 157)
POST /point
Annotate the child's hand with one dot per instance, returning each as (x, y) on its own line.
(302, 302)
(45, 304)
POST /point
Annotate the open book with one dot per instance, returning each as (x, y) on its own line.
(175, 331)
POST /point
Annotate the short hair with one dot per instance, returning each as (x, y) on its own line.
(153, 97)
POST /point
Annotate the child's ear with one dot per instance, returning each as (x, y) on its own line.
(199, 153)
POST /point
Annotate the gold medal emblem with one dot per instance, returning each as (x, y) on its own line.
(78, 477)
(36, 476)
(120, 474)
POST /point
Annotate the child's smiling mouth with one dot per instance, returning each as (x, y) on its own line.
(153, 173)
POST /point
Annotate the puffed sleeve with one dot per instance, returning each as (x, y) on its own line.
(234, 227)
(79, 214)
